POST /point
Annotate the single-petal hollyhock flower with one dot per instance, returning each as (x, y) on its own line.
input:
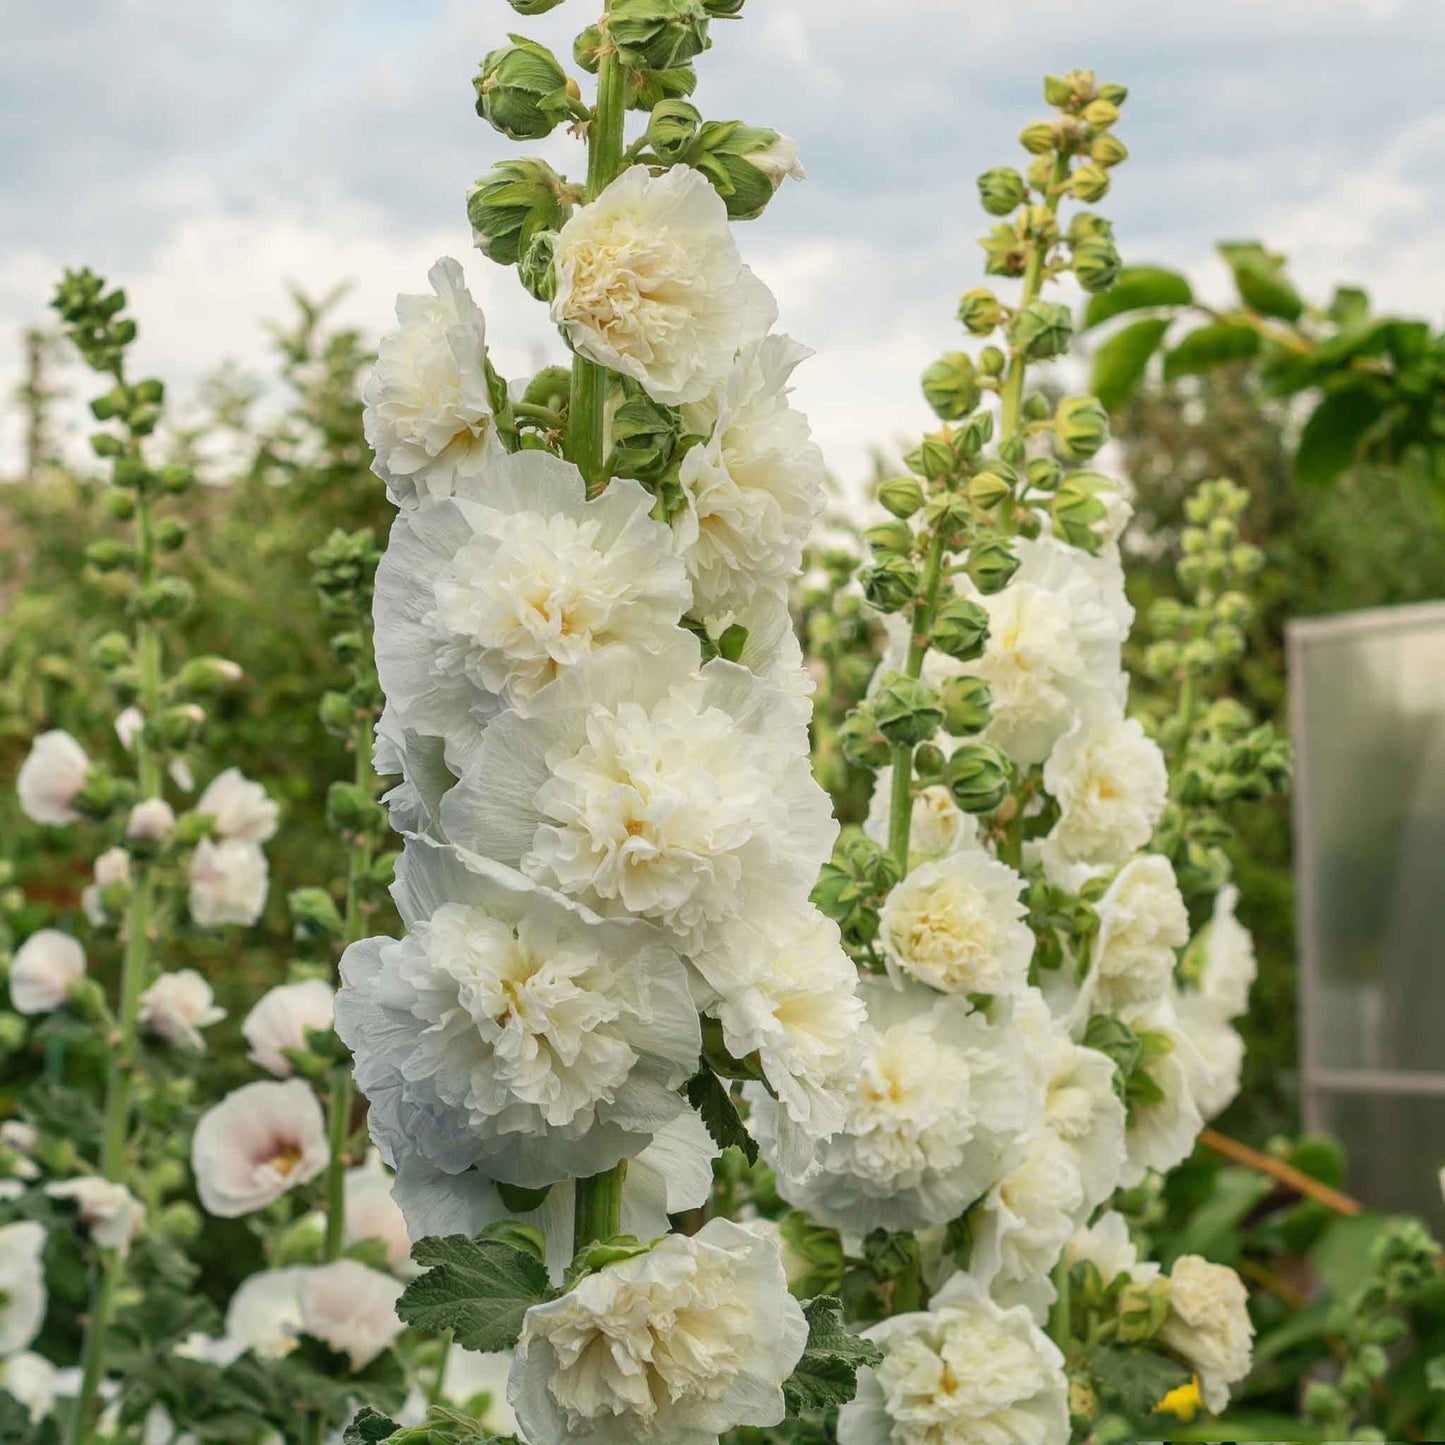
(111, 867)
(349, 1307)
(43, 968)
(678, 1344)
(650, 283)
(259, 1141)
(177, 1006)
(1208, 1325)
(428, 413)
(1227, 965)
(939, 826)
(31, 1379)
(640, 784)
(937, 1112)
(110, 1211)
(50, 777)
(228, 883)
(483, 600)
(372, 1213)
(150, 821)
(754, 489)
(263, 1317)
(22, 1284)
(957, 924)
(242, 809)
(966, 1370)
(510, 1030)
(281, 1019)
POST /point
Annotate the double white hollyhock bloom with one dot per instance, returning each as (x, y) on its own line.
(966, 1370)
(1208, 1325)
(428, 415)
(675, 1345)
(177, 1006)
(242, 810)
(228, 882)
(1142, 921)
(511, 1030)
(110, 1211)
(259, 1141)
(50, 777)
(43, 969)
(939, 826)
(22, 1284)
(484, 599)
(281, 1019)
(1162, 1132)
(650, 284)
(1227, 967)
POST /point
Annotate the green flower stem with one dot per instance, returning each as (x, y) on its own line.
(1059, 1329)
(597, 1212)
(338, 1122)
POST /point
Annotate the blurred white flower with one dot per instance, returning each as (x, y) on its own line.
(31, 1379)
(350, 1308)
(372, 1213)
(20, 1139)
(1142, 921)
(128, 724)
(151, 820)
(43, 968)
(678, 1344)
(1218, 1053)
(280, 1020)
(259, 1141)
(649, 283)
(242, 809)
(1227, 967)
(264, 1317)
(778, 161)
(50, 777)
(228, 883)
(177, 1006)
(22, 1284)
(1162, 1131)
(471, 1374)
(939, 825)
(1208, 1325)
(1107, 1246)
(428, 414)
(111, 867)
(110, 1211)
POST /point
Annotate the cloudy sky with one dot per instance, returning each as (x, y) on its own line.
(208, 155)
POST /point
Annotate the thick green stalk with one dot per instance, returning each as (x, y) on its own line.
(597, 1213)
(1059, 1328)
(338, 1122)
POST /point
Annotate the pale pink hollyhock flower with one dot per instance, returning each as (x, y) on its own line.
(280, 1020)
(110, 1211)
(150, 820)
(371, 1213)
(22, 1284)
(50, 777)
(241, 808)
(351, 1308)
(228, 883)
(258, 1142)
(177, 1006)
(43, 968)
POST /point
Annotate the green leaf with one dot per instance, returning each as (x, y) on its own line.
(828, 1372)
(1135, 1381)
(479, 1288)
(368, 1428)
(1120, 363)
(1209, 346)
(1138, 287)
(709, 1096)
(1213, 1229)
(1260, 277)
(1330, 441)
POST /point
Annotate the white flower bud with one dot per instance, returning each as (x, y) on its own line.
(177, 1006)
(150, 821)
(281, 1019)
(22, 1284)
(110, 1211)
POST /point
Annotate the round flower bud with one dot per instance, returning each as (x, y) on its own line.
(1108, 150)
(987, 490)
(1101, 114)
(533, 7)
(1078, 512)
(746, 164)
(1096, 264)
(1044, 473)
(1038, 138)
(1001, 190)
(991, 361)
(980, 310)
(514, 201)
(860, 739)
(1090, 183)
(890, 538)
(111, 650)
(991, 565)
(537, 268)
(907, 711)
(951, 387)
(657, 34)
(672, 128)
(120, 505)
(522, 90)
(902, 496)
(723, 9)
(1081, 427)
(928, 759)
(960, 629)
(1041, 330)
(551, 387)
(978, 777)
(890, 584)
(107, 555)
(967, 705)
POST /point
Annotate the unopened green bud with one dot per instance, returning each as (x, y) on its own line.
(533, 7)
(894, 538)
(902, 496)
(170, 534)
(862, 742)
(1096, 264)
(1081, 427)
(537, 268)
(991, 565)
(1246, 560)
(1108, 151)
(960, 629)
(980, 311)
(522, 90)
(974, 434)
(723, 9)
(991, 361)
(176, 726)
(1101, 114)
(1001, 190)
(1235, 608)
(951, 387)
(1039, 138)
(672, 128)
(1166, 616)
(110, 650)
(967, 705)
(1078, 513)
(177, 479)
(1044, 473)
(1041, 330)
(1089, 183)
(657, 34)
(170, 597)
(180, 1221)
(1115, 94)
(987, 490)
(929, 760)
(106, 444)
(515, 201)
(120, 505)
(86, 999)
(13, 1031)
(314, 914)
(108, 555)
(349, 807)
(907, 711)
(1005, 250)
(890, 584)
(337, 714)
(978, 777)
(551, 387)
(204, 675)
(1161, 659)
(1058, 90)
(113, 403)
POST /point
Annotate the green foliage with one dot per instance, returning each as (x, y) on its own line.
(828, 1372)
(480, 1289)
(709, 1096)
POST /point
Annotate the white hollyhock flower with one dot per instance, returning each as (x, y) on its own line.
(755, 488)
(771, 649)
(482, 600)
(510, 1030)
(778, 161)
(1023, 1223)
(1107, 1246)
(350, 1308)
(1142, 921)
(263, 1317)
(372, 1213)
(50, 777)
(151, 820)
(113, 866)
(110, 1211)
(31, 1379)
(428, 414)
(1227, 967)
(22, 1284)
(43, 968)
(242, 809)
(20, 1139)
(1218, 1054)
(649, 283)
(177, 1006)
(259, 1141)
(1162, 1132)
(939, 825)
(642, 785)
(1208, 1325)
(1111, 783)
(129, 723)
(281, 1019)
(228, 883)
(676, 1345)
(957, 924)
(936, 1114)
(967, 1370)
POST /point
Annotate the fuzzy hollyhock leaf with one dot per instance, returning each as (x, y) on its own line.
(828, 1372)
(480, 1289)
